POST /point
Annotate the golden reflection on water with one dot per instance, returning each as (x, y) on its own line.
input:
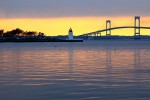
(75, 66)
(82, 64)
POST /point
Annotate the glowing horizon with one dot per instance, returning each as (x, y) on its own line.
(80, 25)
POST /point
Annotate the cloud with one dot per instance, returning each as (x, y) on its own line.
(72, 8)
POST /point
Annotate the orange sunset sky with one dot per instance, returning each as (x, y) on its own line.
(80, 25)
(55, 17)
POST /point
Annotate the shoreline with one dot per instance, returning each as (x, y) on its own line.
(37, 40)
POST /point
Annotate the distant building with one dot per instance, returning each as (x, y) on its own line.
(70, 34)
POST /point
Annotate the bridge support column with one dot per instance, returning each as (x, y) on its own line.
(96, 35)
(108, 28)
(100, 34)
(137, 30)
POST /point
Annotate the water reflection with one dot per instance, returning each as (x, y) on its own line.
(137, 67)
(70, 59)
(109, 66)
(108, 61)
(137, 59)
(74, 72)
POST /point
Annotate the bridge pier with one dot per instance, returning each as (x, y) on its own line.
(108, 28)
(137, 30)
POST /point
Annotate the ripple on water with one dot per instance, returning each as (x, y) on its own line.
(93, 70)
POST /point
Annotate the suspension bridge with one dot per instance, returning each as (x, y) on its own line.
(137, 29)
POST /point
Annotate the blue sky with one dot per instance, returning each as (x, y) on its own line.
(72, 8)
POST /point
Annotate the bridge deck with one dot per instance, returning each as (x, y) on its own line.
(114, 28)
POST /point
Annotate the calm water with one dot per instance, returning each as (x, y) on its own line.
(93, 70)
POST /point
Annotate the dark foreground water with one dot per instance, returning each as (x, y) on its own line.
(93, 70)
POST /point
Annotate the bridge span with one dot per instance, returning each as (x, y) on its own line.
(137, 28)
(114, 28)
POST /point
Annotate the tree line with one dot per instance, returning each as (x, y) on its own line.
(20, 32)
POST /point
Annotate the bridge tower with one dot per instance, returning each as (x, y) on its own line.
(137, 30)
(108, 28)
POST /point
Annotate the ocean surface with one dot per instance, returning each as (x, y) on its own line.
(92, 70)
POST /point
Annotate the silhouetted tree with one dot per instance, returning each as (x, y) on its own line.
(41, 34)
(1, 32)
(15, 32)
(31, 33)
(20, 32)
(7, 34)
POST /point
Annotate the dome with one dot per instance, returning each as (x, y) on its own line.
(70, 30)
